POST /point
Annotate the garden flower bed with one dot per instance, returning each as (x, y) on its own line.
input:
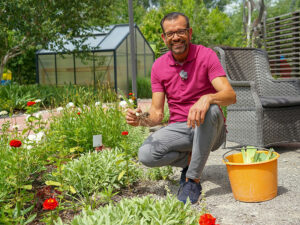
(52, 174)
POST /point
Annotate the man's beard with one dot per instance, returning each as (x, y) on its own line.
(178, 49)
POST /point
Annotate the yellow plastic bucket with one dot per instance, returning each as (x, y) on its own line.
(255, 182)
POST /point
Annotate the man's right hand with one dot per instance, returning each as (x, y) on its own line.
(132, 118)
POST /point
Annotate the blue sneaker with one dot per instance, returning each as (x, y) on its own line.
(189, 189)
(183, 175)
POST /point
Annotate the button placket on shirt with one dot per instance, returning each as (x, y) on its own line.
(183, 82)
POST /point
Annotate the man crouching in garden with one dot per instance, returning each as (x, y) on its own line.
(194, 82)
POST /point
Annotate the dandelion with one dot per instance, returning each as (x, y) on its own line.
(2, 113)
(70, 105)
(30, 103)
(123, 104)
(15, 143)
(59, 109)
(50, 204)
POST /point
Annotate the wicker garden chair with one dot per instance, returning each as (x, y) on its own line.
(267, 111)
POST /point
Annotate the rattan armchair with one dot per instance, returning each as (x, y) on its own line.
(267, 111)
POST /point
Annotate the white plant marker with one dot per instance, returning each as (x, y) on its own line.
(97, 142)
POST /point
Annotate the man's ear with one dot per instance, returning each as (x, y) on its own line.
(190, 33)
(163, 37)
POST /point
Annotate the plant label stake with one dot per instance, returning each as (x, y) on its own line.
(97, 142)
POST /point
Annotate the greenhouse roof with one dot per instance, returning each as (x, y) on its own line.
(100, 39)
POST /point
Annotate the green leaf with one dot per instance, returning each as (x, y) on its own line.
(52, 183)
(121, 174)
(27, 187)
(72, 189)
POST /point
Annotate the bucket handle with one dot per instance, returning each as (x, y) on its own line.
(239, 149)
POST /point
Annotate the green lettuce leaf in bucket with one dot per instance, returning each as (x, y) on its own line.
(251, 155)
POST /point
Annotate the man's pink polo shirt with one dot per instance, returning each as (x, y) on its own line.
(202, 66)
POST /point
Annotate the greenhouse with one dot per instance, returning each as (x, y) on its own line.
(107, 60)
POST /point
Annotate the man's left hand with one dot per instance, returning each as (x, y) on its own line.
(198, 110)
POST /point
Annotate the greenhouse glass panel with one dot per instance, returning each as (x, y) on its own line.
(84, 69)
(104, 68)
(46, 65)
(149, 59)
(140, 43)
(109, 61)
(65, 69)
(122, 79)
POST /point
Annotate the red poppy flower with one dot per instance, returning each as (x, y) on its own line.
(78, 113)
(124, 133)
(15, 143)
(30, 103)
(207, 219)
(130, 93)
(50, 204)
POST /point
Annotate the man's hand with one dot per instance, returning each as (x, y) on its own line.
(198, 110)
(132, 117)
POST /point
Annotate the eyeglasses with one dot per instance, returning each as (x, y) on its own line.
(180, 32)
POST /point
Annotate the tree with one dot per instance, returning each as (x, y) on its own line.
(209, 27)
(36, 23)
(212, 4)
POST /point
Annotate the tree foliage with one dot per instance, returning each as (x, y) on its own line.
(210, 27)
(33, 23)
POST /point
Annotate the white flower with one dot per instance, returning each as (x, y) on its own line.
(38, 100)
(28, 147)
(3, 113)
(123, 104)
(31, 137)
(59, 109)
(39, 136)
(84, 106)
(137, 114)
(97, 103)
(16, 127)
(79, 109)
(35, 137)
(131, 101)
(70, 105)
(38, 115)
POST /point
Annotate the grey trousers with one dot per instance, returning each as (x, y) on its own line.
(172, 144)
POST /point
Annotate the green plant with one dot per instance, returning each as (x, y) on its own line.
(142, 211)
(94, 172)
(158, 173)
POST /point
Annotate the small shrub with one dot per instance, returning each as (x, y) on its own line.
(95, 172)
(142, 211)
